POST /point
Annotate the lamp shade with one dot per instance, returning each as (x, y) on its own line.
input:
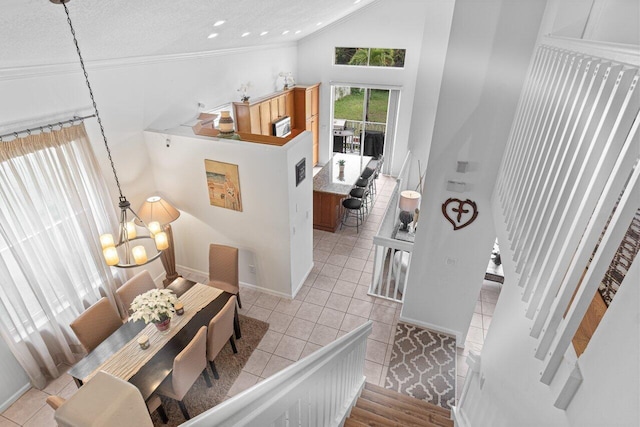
(157, 209)
(409, 201)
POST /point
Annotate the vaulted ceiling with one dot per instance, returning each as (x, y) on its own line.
(35, 32)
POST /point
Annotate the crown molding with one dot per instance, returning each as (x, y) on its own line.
(14, 73)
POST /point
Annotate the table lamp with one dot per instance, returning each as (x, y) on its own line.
(159, 214)
(409, 202)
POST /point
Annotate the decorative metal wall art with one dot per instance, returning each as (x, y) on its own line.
(459, 213)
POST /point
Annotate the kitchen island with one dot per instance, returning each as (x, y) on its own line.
(330, 187)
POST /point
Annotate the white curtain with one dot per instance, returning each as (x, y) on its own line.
(53, 206)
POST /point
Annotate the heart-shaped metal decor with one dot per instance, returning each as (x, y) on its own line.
(459, 213)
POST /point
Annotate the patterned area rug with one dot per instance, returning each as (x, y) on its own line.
(200, 397)
(423, 365)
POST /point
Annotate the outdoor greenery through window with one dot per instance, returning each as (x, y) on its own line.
(370, 57)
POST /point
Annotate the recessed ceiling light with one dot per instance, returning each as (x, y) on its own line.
(264, 33)
(212, 35)
(245, 34)
(298, 31)
(318, 24)
(220, 22)
(285, 32)
(356, 2)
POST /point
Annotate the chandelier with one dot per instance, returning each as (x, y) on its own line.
(131, 248)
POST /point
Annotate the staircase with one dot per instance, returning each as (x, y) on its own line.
(378, 406)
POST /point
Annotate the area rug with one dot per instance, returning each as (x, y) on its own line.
(423, 365)
(200, 397)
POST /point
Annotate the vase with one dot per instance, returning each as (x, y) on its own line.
(225, 125)
(341, 169)
(164, 325)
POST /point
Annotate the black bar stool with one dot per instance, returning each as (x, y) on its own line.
(352, 207)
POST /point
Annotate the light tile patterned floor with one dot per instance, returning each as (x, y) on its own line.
(332, 302)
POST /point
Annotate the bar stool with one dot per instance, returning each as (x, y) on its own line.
(368, 175)
(352, 206)
(361, 193)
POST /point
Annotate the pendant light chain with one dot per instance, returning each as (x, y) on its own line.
(95, 106)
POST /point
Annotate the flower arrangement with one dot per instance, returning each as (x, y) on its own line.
(341, 162)
(244, 88)
(287, 77)
(154, 306)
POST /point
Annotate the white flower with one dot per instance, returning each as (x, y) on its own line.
(155, 305)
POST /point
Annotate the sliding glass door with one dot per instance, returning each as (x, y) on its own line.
(363, 120)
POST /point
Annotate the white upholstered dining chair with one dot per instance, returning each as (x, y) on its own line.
(187, 367)
(138, 284)
(96, 323)
(220, 331)
(103, 401)
(223, 269)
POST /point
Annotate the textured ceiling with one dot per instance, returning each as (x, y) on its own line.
(35, 32)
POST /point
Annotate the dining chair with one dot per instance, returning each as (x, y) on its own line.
(187, 367)
(153, 403)
(223, 269)
(221, 330)
(138, 284)
(96, 323)
(104, 400)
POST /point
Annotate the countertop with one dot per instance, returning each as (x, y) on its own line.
(328, 179)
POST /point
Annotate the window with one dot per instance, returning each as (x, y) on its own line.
(370, 57)
(52, 211)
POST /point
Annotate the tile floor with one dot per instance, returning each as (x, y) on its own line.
(332, 302)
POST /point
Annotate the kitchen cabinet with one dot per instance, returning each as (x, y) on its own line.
(256, 116)
(306, 108)
(301, 103)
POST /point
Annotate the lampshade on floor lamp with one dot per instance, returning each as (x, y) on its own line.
(159, 214)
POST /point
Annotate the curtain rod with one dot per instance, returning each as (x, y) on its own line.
(49, 125)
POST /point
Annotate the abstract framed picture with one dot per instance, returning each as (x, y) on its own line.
(223, 183)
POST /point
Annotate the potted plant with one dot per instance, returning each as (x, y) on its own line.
(155, 306)
(340, 164)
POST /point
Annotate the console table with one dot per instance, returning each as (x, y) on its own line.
(330, 187)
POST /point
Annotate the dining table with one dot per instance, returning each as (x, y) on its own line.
(331, 186)
(150, 374)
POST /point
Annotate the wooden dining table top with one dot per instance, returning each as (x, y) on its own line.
(152, 373)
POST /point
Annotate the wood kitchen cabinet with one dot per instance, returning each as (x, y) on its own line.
(306, 107)
(301, 103)
(257, 116)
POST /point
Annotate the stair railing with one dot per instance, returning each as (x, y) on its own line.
(392, 257)
(319, 390)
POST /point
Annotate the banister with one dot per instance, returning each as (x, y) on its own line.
(267, 399)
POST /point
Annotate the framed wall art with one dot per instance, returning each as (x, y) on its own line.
(301, 171)
(223, 182)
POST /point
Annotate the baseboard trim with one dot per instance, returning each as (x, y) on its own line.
(266, 291)
(195, 272)
(11, 400)
(435, 328)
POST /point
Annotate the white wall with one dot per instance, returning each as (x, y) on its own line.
(263, 231)
(487, 57)
(14, 379)
(384, 24)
